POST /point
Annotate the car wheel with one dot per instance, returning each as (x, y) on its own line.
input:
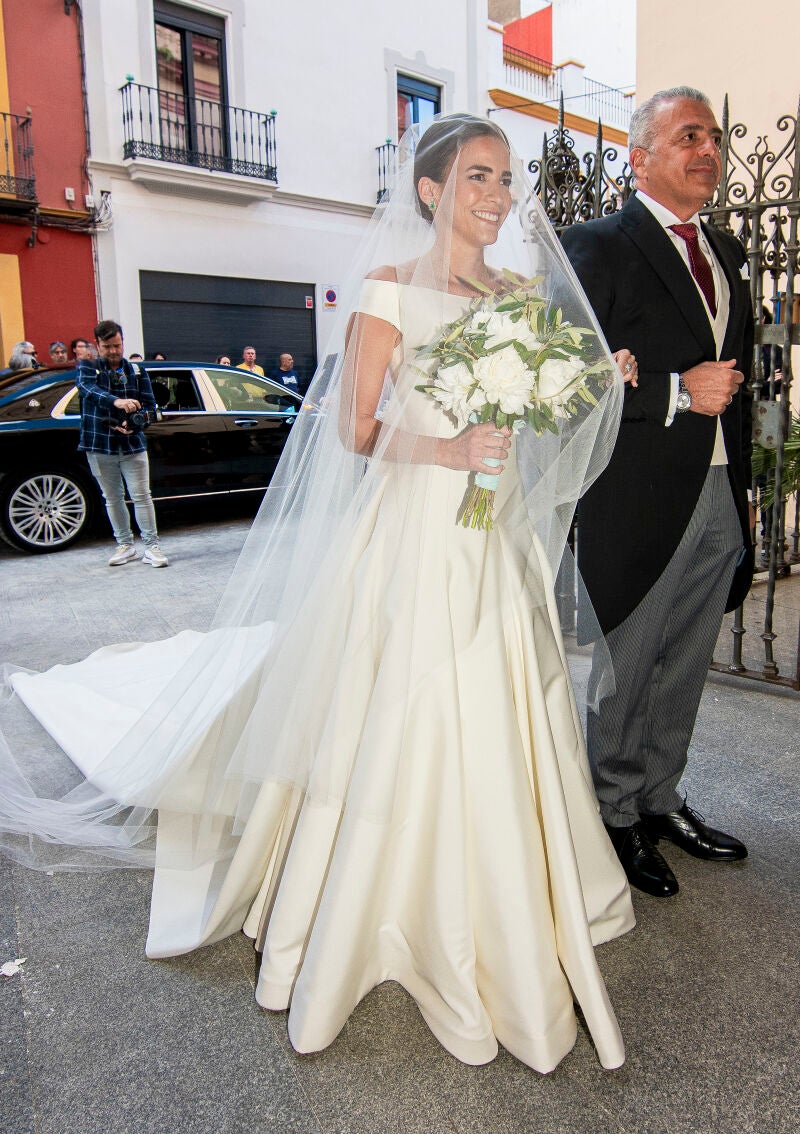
(44, 511)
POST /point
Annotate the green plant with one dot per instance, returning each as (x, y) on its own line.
(764, 461)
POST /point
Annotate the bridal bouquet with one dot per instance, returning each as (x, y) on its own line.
(512, 359)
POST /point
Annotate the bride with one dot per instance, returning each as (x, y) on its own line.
(373, 763)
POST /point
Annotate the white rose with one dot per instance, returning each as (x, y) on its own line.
(501, 329)
(556, 374)
(505, 380)
(452, 386)
(479, 320)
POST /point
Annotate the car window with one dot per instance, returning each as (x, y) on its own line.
(244, 392)
(74, 404)
(175, 390)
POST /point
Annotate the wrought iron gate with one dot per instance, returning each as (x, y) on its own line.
(758, 200)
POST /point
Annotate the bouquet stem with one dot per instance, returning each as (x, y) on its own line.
(478, 511)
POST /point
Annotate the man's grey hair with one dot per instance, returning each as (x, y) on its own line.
(642, 128)
(21, 356)
(58, 343)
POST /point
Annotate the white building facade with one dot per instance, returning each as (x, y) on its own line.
(203, 261)
(240, 143)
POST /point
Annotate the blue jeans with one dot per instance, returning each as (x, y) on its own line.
(116, 471)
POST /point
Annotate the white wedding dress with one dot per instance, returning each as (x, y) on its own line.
(484, 882)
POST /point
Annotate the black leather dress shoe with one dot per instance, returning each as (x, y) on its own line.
(646, 869)
(686, 829)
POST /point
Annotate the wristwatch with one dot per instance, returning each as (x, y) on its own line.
(684, 399)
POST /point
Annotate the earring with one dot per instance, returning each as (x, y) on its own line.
(432, 205)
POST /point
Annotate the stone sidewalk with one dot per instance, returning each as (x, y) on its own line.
(95, 1039)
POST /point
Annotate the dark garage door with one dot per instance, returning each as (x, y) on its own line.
(199, 317)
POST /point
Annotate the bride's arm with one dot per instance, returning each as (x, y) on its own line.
(369, 345)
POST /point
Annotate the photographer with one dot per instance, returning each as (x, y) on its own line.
(117, 404)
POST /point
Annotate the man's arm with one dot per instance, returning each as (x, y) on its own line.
(650, 399)
(87, 384)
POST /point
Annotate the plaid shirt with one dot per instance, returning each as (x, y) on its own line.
(100, 386)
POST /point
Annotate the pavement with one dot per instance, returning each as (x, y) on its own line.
(95, 1039)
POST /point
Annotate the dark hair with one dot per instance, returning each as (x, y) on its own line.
(438, 146)
(159, 356)
(74, 343)
(106, 329)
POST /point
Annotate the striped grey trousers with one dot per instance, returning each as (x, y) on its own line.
(638, 742)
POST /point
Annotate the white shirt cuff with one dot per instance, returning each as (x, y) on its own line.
(673, 399)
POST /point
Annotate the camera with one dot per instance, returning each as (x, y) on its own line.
(142, 417)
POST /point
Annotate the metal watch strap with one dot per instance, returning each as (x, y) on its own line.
(684, 399)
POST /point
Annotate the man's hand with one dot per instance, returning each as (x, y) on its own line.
(129, 405)
(712, 386)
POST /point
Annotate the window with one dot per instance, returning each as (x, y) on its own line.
(416, 102)
(190, 61)
(174, 390)
(244, 392)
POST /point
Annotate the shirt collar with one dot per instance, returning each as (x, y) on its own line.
(662, 214)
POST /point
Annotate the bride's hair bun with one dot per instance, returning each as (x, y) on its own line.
(437, 148)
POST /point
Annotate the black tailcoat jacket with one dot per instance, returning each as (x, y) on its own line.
(632, 518)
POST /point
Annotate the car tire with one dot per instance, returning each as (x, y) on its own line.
(46, 510)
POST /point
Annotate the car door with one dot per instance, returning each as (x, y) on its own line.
(188, 447)
(258, 414)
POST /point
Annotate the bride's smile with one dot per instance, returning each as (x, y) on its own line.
(482, 192)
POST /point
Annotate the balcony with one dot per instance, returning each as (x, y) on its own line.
(518, 76)
(203, 137)
(527, 73)
(17, 181)
(387, 166)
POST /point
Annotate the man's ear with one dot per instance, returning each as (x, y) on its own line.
(637, 159)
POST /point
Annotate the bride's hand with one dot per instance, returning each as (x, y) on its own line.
(627, 365)
(468, 451)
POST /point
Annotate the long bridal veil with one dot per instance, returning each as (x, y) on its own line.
(262, 697)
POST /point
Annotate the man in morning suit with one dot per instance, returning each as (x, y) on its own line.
(664, 539)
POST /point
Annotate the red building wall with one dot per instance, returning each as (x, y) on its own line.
(533, 34)
(44, 74)
(43, 69)
(57, 279)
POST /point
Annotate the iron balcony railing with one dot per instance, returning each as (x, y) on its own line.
(16, 165)
(608, 103)
(165, 126)
(387, 165)
(530, 74)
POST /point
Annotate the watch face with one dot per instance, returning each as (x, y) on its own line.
(683, 401)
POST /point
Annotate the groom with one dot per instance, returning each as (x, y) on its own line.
(664, 538)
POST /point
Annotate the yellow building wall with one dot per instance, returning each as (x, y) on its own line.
(731, 47)
(3, 71)
(723, 46)
(12, 326)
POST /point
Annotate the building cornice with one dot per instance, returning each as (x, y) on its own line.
(507, 100)
(174, 180)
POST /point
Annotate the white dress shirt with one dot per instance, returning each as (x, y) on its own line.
(719, 322)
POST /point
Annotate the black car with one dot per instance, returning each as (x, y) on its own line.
(222, 431)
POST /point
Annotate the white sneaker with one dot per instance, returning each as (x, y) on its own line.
(155, 556)
(124, 552)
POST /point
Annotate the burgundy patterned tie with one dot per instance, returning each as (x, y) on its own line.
(701, 269)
